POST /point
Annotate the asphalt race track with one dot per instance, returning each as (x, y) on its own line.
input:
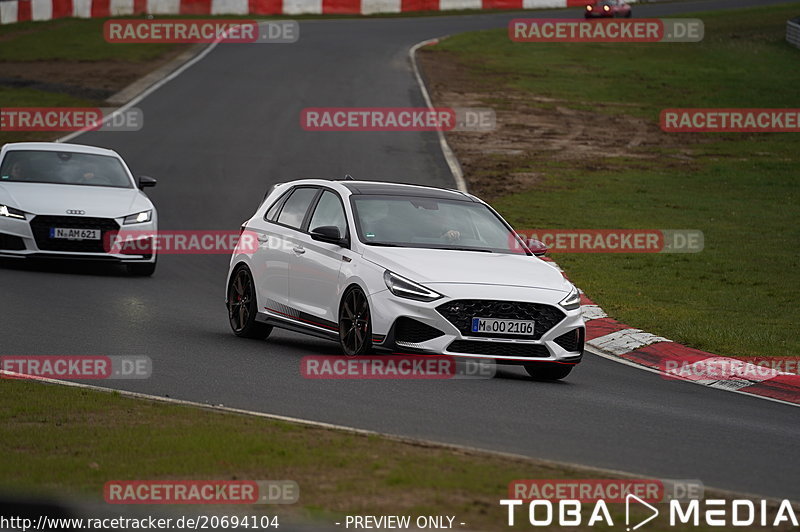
(217, 137)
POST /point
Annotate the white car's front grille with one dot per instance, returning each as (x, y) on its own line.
(41, 225)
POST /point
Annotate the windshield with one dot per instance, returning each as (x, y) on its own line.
(431, 223)
(63, 168)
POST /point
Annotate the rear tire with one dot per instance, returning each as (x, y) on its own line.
(355, 323)
(242, 306)
(548, 372)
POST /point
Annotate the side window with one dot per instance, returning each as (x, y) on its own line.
(295, 208)
(272, 212)
(329, 211)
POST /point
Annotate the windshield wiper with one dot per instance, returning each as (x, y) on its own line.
(468, 249)
(412, 246)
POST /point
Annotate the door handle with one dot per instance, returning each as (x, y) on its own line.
(299, 250)
(262, 238)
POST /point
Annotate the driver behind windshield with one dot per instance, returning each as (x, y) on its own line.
(404, 221)
(18, 171)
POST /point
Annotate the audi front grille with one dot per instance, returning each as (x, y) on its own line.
(40, 226)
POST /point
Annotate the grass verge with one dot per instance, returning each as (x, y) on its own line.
(567, 117)
(68, 63)
(69, 442)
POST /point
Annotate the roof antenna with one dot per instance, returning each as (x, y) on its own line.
(348, 177)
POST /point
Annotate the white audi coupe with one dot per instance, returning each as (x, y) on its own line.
(67, 201)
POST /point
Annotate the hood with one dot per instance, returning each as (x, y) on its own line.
(99, 202)
(428, 266)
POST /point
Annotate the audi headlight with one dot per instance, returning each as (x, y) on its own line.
(572, 301)
(138, 218)
(11, 212)
(402, 287)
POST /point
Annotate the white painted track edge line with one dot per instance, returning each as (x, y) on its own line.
(365, 432)
(308, 422)
(447, 151)
(149, 90)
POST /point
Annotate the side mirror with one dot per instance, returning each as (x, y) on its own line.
(145, 181)
(329, 234)
(537, 247)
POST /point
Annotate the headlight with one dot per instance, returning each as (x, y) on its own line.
(572, 301)
(11, 212)
(402, 287)
(138, 218)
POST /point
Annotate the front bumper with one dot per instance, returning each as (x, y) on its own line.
(406, 326)
(20, 239)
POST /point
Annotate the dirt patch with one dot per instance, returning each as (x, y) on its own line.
(12, 32)
(536, 133)
(92, 80)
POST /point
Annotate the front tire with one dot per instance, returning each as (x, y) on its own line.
(548, 372)
(242, 306)
(355, 323)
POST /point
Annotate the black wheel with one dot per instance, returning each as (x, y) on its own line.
(629, 14)
(355, 324)
(548, 372)
(142, 270)
(242, 306)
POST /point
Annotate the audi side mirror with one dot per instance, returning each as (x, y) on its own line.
(145, 181)
(537, 247)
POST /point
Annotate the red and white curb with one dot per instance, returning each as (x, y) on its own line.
(618, 340)
(24, 10)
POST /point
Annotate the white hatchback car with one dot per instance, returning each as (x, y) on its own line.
(404, 269)
(66, 201)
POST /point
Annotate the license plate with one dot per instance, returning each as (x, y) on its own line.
(496, 326)
(75, 234)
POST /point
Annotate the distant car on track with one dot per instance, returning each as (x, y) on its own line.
(402, 268)
(608, 9)
(61, 201)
